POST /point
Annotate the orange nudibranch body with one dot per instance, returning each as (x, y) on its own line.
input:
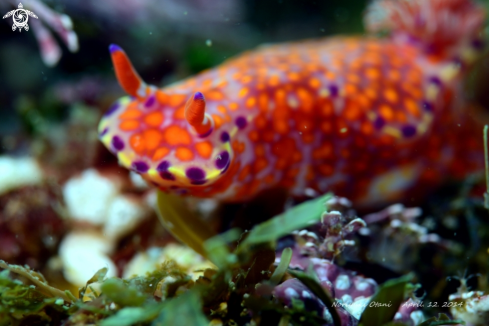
(365, 117)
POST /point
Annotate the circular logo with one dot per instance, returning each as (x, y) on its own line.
(20, 17)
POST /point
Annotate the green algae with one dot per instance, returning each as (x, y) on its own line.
(392, 293)
(243, 284)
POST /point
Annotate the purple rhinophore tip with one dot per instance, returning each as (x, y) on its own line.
(195, 174)
(199, 96)
(117, 143)
(207, 133)
(241, 122)
(408, 131)
(224, 137)
(222, 160)
(114, 47)
(379, 122)
(140, 167)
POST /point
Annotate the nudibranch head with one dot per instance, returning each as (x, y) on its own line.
(166, 137)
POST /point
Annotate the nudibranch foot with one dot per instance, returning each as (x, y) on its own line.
(183, 224)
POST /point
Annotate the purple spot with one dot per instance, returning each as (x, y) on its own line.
(140, 167)
(114, 47)
(207, 133)
(198, 182)
(198, 96)
(435, 80)
(225, 168)
(150, 101)
(333, 89)
(427, 106)
(222, 160)
(241, 122)
(162, 168)
(166, 175)
(408, 131)
(104, 132)
(195, 174)
(112, 109)
(379, 122)
(224, 137)
(117, 143)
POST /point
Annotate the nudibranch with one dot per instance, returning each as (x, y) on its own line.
(369, 118)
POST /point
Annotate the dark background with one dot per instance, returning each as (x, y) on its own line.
(164, 47)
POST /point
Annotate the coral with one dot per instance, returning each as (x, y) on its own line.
(186, 258)
(17, 172)
(102, 213)
(60, 23)
(84, 252)
(293, 292)
(409, 313)
(331, 238)
(472, 307)
(395, 237)
(30, 224)
(316, 247)
(328, 238)
(387, 233)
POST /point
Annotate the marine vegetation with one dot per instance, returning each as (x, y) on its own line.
(247, 286)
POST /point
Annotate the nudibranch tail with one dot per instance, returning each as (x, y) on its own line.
(440, 25)
(126, 74)
(196, 116)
